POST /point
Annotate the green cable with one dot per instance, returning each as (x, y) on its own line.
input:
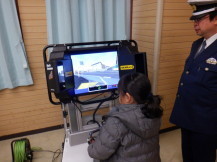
(20, 151)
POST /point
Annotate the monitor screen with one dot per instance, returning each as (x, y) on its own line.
(95, 71)
(61, 73)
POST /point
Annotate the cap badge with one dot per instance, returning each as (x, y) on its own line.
(212, 61)
(194, 7)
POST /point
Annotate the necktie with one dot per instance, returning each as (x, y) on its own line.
(202, 48)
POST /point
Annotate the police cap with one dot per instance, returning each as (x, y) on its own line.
(202, 7)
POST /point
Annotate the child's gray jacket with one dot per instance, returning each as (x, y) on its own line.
(127, 136)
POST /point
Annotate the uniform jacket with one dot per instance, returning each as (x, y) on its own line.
(195, 107)
(127, 136)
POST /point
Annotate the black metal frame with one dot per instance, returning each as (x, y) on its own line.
(70, 45)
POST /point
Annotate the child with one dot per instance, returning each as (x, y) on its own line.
(131, 130)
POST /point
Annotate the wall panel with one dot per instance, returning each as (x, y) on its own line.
(143, 28)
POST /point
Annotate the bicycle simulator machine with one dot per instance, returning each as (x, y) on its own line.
(83, 79)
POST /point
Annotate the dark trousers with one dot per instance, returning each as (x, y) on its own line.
(198, 147)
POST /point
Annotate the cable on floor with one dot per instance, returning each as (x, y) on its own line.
(56, 153)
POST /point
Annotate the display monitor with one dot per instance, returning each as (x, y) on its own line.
(95, 71)
(93, 67)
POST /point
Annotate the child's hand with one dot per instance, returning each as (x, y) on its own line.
(90, 140)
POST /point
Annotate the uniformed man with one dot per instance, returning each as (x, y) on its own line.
(195, 108)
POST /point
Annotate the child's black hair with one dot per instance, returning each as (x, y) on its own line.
(139, 87)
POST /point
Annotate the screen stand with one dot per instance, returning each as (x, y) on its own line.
(75, 124)
(77, 131)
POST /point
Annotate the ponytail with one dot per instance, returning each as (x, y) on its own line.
(152, 108)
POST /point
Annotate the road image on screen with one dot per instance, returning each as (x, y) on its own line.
(61, 73)
(95, 71)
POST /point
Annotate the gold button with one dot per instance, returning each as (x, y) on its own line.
(206, 69)
(187, 72)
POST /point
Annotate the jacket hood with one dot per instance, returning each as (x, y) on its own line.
(133, 118)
